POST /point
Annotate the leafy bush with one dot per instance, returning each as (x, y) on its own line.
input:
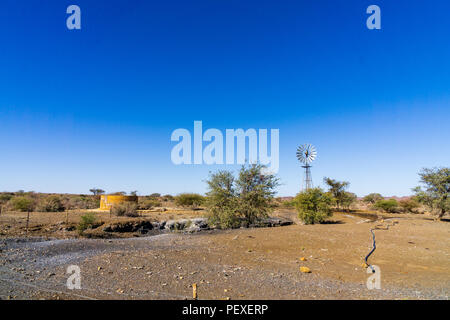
(243, 201)
(168, 197)
(192, 200)
(86, 222)
(390, 205)
(128, 209)
(51, 204)
(148, 203)
(22, 204)
(313, 205)
(5, 197)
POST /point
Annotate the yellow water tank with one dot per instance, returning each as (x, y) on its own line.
(107, 201)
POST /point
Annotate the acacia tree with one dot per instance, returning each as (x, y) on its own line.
(372, 198)
(435, 195)
(337, 190)
(243, 200)
(222, 200)
(97, 191)
(256, 191)
(348, 198)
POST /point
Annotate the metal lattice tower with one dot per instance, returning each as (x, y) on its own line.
(307, 179)
(306, 154)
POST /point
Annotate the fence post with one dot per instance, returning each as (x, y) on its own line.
(28, 221)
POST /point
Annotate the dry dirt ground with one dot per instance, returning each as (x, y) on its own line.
(262, 263)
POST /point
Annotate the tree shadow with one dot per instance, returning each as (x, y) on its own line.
(333, 222)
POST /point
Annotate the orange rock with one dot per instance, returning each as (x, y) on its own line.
(305, 270)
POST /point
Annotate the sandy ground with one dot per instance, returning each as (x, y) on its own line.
(414, 257)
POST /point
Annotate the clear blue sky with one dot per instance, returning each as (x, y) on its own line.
(96, 107)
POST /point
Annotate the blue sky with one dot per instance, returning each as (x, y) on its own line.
(97, 106)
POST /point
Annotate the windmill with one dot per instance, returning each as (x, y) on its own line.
(306, 154)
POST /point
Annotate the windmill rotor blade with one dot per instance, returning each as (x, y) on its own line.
(306, 153)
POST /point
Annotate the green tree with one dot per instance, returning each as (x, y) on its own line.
(96, 191)
(23, 204)
(347, 199)
(222, 200)
(313, 205)
(372, 198)
(256, 191)
(337, 190)
(435, 195)
(244, 200)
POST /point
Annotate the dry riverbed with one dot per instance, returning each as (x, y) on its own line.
(259, 263)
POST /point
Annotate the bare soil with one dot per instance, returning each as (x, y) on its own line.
(261, 263)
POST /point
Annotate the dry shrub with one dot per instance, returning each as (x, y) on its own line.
(128, 209)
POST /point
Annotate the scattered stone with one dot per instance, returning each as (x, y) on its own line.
(305, 270)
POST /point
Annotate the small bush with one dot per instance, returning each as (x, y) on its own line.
(390, 206)
(5, 197)
(82, 202)
(191, 200)
(128, 209)
(288, 203)
(86, 222)
(22, 204)
(51, 204)
(313, 206)
(409, 205)
(168, 197)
